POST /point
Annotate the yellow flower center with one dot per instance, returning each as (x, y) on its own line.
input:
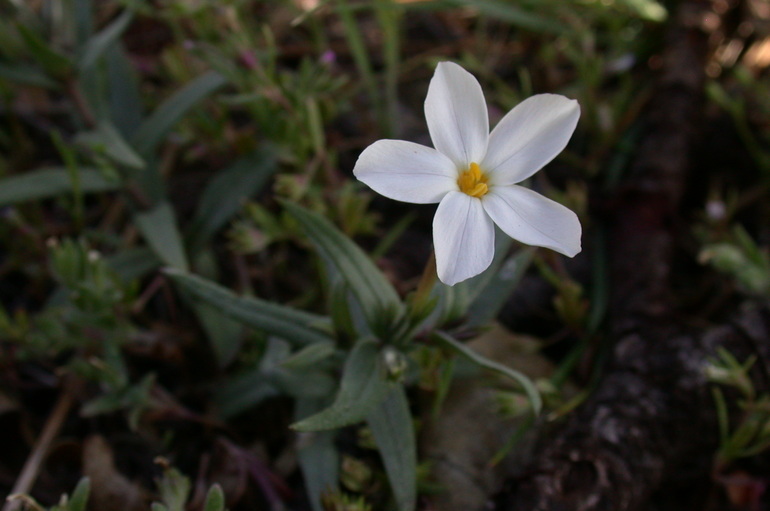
(473, 181)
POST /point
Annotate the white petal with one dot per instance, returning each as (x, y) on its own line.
(529, 136)
(530, 218)
(457, 115)
(463, 237)
(406, 171)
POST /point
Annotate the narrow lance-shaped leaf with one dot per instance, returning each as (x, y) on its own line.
(134, 263)
(309, 356)
(82, 14)
(224, 333)
(244, 392)
(125, 102)
(491, 298)
(51, 182)
(158, 226)
(98, 44)
(318, 457)
(53, 62)
(295, 326)
(105, 138)
(526, 384)
(27, 75)
(391, 426)
(378, 299)
(364, 385)
(227, 191)
(513, 14)
(156, 127)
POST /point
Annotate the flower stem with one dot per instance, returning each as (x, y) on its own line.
(427, 280)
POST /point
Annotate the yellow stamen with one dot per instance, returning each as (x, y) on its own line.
(473, 182)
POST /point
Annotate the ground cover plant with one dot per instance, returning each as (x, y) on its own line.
(207, 305)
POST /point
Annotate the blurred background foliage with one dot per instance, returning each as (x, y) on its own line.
(142, 135)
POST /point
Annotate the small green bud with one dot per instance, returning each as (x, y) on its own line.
(396, 363)
(355, 475)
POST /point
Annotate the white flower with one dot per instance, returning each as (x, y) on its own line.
(472, 173)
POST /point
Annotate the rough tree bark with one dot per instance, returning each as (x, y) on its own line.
(653, 412)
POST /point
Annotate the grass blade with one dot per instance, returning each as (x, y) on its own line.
(360, 54)
(510, 13)
(389, 17)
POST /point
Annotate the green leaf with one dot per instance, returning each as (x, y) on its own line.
(101, 42)
(244, 392)
(364, 385)
(356, 42)
(295, 326)
(134, 263)
(497, 290)
(270, 378)
(227, 191)
(647, 9)
(600, 286)
(27, 75)
(509, 13)
(79, 499)
(108, 140)
(53, 62)
(318, 457)
(378, 299)
(81, 12)
(391, 426)
(223, 332)
(156, 127)
(215, 500)
(158, 226)
(125, 103)
(526, 384)
(341, 314)
(50, 182)
(308, 383)
(309, 356)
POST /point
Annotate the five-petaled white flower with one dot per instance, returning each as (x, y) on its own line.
(472, 173)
